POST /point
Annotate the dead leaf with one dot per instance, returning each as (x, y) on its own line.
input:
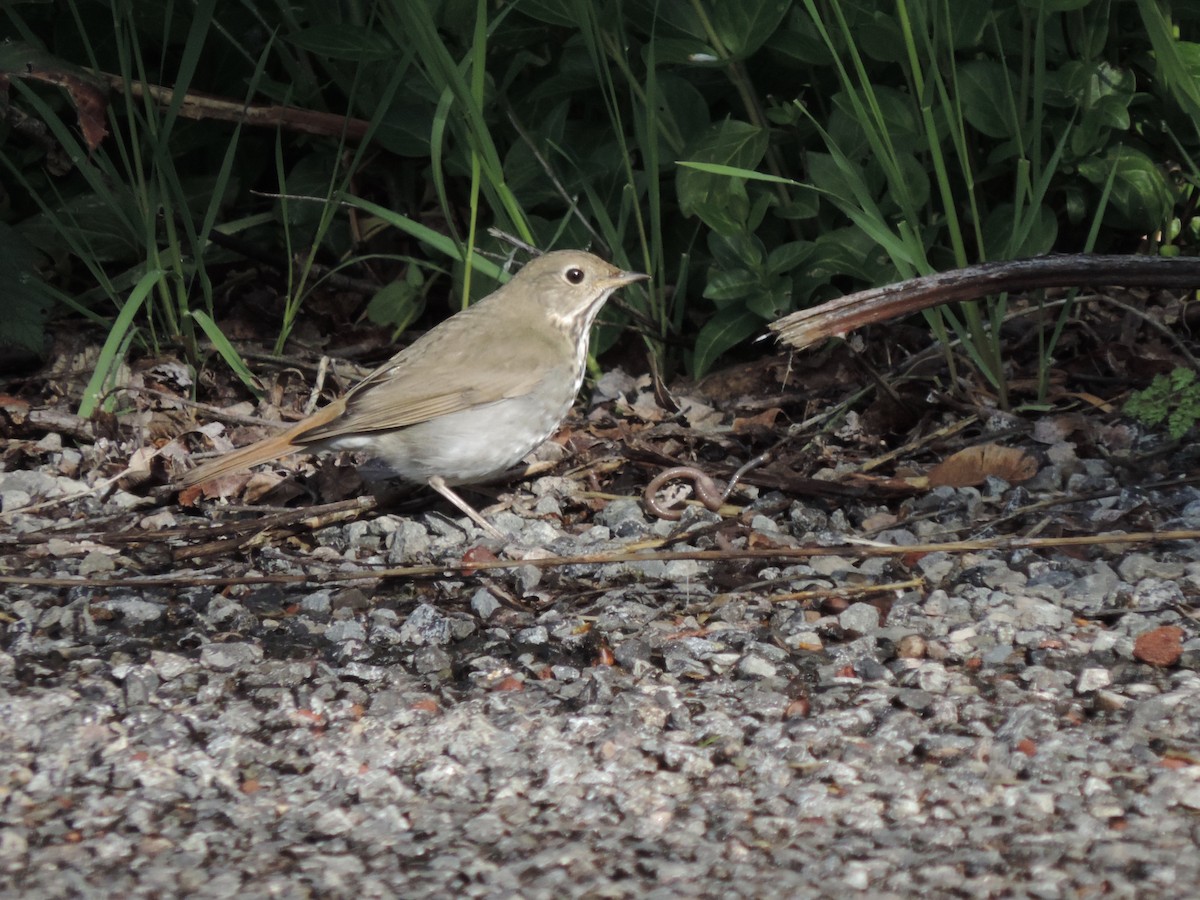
(974, 464)
(259, 484)
(879, 521)
(158, 521)
(1054, 429)
(764, 421)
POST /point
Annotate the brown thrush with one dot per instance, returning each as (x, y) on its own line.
(472, 396)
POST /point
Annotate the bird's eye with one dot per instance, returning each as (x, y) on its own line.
(575, 275)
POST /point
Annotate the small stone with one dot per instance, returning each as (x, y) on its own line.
(1159, 646)
(830, 565)
(528, 578)
(1111, 700)
(1136, 566)
(1092, 680)
(426, 626)
(756, 667)
(484, 603)
(624, 517)
(170, 665)
(333, 822)
(346, 630)
(408, 541)
(914, 698)
(10, 501)
(132, 610)
(317, 603)
(805, 640)
(95, 563)
(429, 660)
(911, 646)
(140, 684)
(860, 618)
(537, 635)
(13, 847)
(226, 657)
(350, 598)
(633, 654)
(936, 567)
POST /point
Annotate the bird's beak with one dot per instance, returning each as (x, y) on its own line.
(623, 278)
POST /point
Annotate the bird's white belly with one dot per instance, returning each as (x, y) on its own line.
(467, 446)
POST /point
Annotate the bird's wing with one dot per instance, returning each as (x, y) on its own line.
(401, 393)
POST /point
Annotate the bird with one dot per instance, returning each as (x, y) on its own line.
(472, 396)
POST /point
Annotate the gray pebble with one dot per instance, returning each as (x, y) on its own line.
(860, 618)
(425, 625)
(226, 657)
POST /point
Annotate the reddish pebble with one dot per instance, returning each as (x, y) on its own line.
(1174, 762)
(798, 709)
(477, 555)
(1026, 746)
(1159, 646)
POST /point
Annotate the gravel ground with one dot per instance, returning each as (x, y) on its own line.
(999, 723)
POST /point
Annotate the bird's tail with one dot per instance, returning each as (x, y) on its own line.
(268, 449)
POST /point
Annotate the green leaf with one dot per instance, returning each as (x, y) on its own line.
(426, 235)
(789, 256)
(745, 25)
(826, 175)
(342, 40)
(844, 251)
(26, 300)
(772, 303)
(1047, 7)
(1173, 398)
(1141, 195)
(553, 12)
(405, 127)
(737, 251)
(719, 201)
(396, 305)
(985, 90)
(881, 38)
(1005, 239)
(112, 354)
(916, 176)
(686, 52)
(798, 41)
(90, 224)
(679, 104)
(725, 330)
(731, 285)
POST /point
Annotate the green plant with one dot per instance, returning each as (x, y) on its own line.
(137, 223)
(825, 146)
(1173, 398)
(954, 134)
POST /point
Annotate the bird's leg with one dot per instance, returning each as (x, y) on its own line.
(439, 484)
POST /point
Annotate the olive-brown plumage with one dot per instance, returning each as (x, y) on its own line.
(472, 396)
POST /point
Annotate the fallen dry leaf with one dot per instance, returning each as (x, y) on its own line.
(1058, 428)
(974, 464)
(764, 421)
